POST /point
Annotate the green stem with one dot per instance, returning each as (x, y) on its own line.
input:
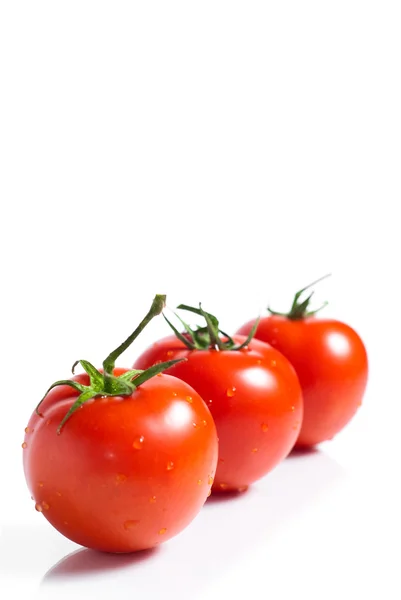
(158, 304)
(212, 330)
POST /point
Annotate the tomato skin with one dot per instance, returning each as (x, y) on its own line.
(332, 366)
(124, 474)
(255, 400)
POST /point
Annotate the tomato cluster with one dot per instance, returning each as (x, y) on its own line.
(121, 460)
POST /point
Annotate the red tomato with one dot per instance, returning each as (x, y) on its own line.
(125, 473)
(254, 397)
(332, 366)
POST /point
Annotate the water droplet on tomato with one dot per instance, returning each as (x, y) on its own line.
(296, 425)
(273, 363)
(254, 450)
(48, 421)
(40, 483)
(231, 391)
(210, 401)
(204, 422)
(199, 481)
(27, 430)
(169, 353)
(162, 531)
(120, 477)
(189, 399)
(243, 488)
(209, 494)
(38, 507)
(170, 465)
(223, 486)
(138, 442)
(265, 427)
(45, 506)
(195, 424)
(152, 500)
(130, 524)
(24, 445)
(210, 480)
(293, 408)
(59, 494)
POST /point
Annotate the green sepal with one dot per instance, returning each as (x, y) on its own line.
(118, 387)
(299, 310)
(155, 370)
(129, 375)
(96, 378)
(210, 335)
(182, 338)
(199, 311)
(187, 328)
(229, 339)
(74, 384)
(202, 337)
(212, 325)
(250, 336)
(82, 398)
(106, 384)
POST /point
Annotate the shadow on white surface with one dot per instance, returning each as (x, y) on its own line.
(26, 548)
(89, 562)
(227, 531)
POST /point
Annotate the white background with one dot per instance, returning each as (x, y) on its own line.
(223, 152)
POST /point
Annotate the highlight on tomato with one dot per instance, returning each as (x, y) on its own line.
(330, 359)
(120, 460)
(251, 389)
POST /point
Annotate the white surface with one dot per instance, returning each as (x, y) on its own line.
(228, 152)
